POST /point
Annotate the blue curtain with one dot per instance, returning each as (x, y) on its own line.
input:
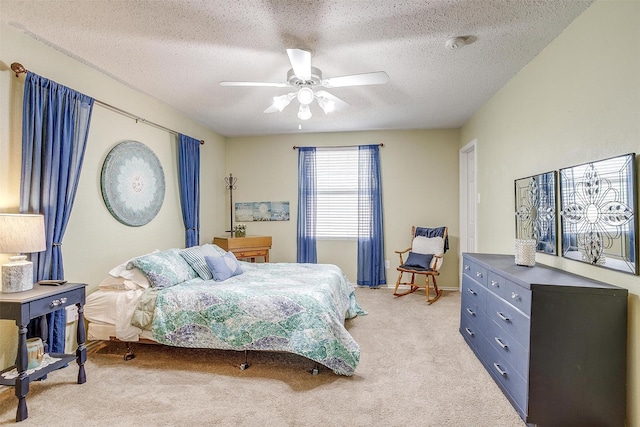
(370, 230)
(55, 124)
(189, 171)
(307, 199)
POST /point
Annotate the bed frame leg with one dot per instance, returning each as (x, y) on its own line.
(129, 354)
(315, 370)
(245, 365)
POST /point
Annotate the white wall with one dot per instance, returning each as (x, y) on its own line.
(578, 101)
(94, 240)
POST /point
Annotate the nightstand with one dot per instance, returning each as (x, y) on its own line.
(246, 247)
(27, 305)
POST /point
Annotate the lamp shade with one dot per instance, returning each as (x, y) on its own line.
(22, 233)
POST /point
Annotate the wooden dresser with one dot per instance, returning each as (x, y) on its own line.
(248, 247)
(554, 342)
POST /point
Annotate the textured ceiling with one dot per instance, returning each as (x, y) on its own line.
(178, 52)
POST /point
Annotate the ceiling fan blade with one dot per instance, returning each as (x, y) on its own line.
(254, 84)
(272, 109)
(375, 78)
(300, 62)
(338, 104)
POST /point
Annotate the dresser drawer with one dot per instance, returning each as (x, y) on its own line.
(509, 319)
(512, 384)
(476, 293)
(508, 347)
(518, 296)
(475, 271)
(469, 305)
(470, 330)
(496, 284)
(250, 253)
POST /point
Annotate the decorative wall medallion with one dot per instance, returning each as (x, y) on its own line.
(536, 211)
(598, 213)
(132, 183)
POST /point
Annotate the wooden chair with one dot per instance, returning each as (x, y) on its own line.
(425, 258)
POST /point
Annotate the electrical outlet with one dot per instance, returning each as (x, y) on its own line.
(386, 263)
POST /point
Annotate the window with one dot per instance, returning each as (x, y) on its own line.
(337, 193)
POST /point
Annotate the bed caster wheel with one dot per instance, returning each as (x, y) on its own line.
(314, 371)
(129, 356)
(244, 366)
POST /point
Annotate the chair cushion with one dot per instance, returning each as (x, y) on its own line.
(433, 232)
(428, 245)
(418, 260)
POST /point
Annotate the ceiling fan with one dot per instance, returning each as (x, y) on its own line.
(307, 82)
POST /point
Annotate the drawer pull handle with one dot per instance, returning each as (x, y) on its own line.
(471, 312)
(500, 371)
(494, 283)
(479, 274)
(502, 316)
(515, 296)
(469, 331)
(500, 343)
(471, 291)
(57, 302)
(466, 267)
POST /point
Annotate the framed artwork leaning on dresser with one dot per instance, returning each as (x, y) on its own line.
(535, 206)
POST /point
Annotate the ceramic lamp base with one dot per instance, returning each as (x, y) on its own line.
(17, 275)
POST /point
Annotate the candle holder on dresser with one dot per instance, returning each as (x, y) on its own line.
(526, 252)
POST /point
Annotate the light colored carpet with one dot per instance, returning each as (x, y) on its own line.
(415, 370)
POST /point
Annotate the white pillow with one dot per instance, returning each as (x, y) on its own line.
(120, 283)
(428, 245)
(135, 277)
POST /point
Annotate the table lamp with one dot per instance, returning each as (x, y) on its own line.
(20, 233)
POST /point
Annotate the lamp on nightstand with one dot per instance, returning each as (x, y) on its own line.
(20, 233)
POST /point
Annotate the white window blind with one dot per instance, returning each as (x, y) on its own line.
(337, 193)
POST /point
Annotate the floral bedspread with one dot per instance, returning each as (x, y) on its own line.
(285, 307)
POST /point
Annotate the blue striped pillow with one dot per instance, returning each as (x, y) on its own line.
(195, 257)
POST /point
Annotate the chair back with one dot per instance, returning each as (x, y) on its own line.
(432, 232)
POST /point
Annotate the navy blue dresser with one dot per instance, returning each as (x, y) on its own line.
(554, 342)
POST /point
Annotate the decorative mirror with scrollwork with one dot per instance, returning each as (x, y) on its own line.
(597, 207)
(536, 211)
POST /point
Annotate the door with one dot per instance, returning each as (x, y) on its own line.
(468, 197)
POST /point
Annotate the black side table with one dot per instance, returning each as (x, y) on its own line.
(27, 305)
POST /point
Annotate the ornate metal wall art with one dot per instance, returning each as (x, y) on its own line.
(536, 211)
(598, 207)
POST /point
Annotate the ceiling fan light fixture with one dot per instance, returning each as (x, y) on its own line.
(305, 95)
(304, 112)
(280, 102)
(327, 105)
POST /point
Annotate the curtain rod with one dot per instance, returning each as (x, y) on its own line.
(19, 69)
(295, 147)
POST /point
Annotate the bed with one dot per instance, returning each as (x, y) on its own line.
(177, 298)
